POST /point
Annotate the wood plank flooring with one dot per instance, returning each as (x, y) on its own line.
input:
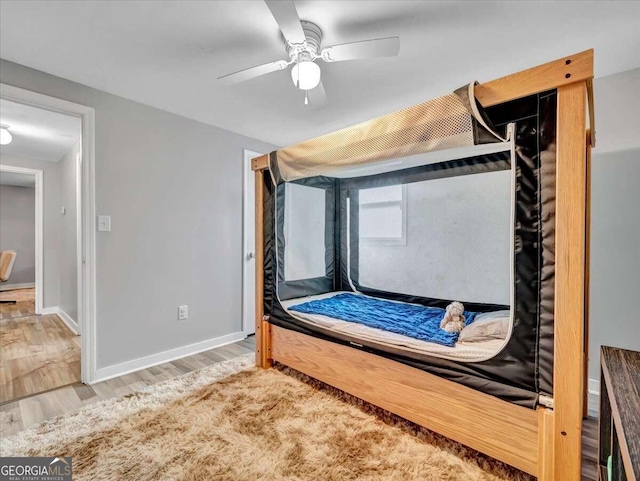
(37, 353)
(22, 414)
(589, 449)
(25, 305)
(26, 294)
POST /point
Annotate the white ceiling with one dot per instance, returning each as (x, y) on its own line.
(17, 180)
(168, 54)
(37, 133)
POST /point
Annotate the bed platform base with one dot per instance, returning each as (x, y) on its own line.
(544, 442)
(498, 428)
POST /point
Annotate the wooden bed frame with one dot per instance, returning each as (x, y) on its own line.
(544, 442)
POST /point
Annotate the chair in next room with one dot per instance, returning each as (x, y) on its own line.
(7, 258)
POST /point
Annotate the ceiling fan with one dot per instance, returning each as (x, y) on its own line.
(303, 44)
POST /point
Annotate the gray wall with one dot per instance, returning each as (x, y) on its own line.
(51, 223)
(68, 300)
(18, 231)
(173, 187)
(615, 218)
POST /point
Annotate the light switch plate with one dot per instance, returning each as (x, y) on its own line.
(104, 223)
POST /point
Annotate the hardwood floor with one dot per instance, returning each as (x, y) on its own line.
(22, 414)
(589, 449)
(37, 353)
(25, 305)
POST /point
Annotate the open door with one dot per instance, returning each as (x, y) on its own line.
(248, 245)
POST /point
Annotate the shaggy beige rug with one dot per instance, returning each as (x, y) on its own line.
(234, 422)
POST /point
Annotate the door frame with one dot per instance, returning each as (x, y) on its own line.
(86, 187)
(39, 201)
(248, 227)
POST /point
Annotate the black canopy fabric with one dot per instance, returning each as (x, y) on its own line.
(523, 369)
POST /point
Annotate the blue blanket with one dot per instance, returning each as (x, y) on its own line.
(410, 320)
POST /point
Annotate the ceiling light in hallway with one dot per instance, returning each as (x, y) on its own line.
(5, 135)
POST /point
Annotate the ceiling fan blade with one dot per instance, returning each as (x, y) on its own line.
(317, 96)
(286, 15)
(249, 73)
(379, 47)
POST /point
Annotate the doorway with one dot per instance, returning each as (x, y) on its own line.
(248, 245)
(40, 347)
(21, 191)
(77, 211)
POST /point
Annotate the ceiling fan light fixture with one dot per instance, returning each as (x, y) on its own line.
(303, 42)
(305, 75)
(5, 135)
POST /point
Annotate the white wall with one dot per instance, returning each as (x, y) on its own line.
(18, 231)
(68, 296)
(51, 224)
(173, 187)
(615, 217)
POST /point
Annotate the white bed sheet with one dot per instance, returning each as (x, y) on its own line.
(463, 351)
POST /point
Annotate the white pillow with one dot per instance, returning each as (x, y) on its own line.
(486, 326)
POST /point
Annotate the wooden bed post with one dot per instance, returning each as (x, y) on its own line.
(570, 290)
(263, 328)
(545, 444)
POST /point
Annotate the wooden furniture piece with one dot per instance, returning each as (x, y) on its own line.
(545, 442)
(619, 415)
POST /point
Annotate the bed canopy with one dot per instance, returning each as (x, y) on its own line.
(448, 122)
(474, 231)
(365, 235)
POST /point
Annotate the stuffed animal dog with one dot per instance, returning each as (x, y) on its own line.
(453, 320)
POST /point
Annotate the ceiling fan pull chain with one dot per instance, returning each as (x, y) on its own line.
(306, 97)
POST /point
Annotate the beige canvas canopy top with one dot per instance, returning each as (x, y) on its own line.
(442, 123)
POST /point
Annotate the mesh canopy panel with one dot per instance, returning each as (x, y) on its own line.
(445, 238)
(439, 124)
(304, 232)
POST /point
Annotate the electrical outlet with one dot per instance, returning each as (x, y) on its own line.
(183, 312)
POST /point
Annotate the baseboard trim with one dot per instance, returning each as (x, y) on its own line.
(66, 318)
(71, 324)
(13, 287)
(594, 395)
(117, 370)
